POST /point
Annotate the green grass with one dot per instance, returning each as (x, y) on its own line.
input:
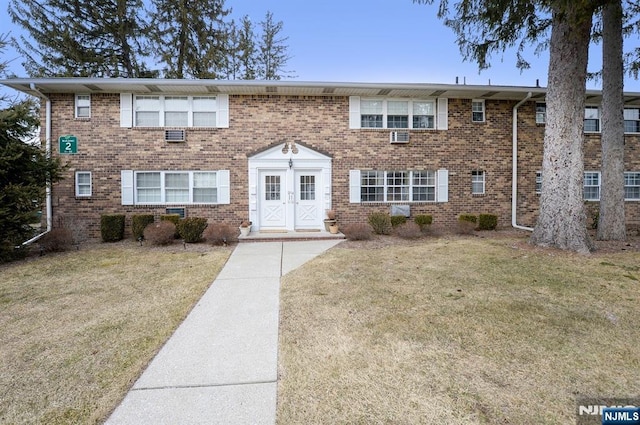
(456, 331)
(77, 329)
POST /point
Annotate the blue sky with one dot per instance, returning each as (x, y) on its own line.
(392, 41)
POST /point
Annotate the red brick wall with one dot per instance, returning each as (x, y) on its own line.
(257, 121)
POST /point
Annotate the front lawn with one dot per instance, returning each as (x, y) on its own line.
(456, 330)
(77, 329)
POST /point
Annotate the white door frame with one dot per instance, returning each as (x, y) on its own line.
(289, 158)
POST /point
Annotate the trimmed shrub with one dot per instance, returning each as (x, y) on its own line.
(397, 220)
(220, 234)
(487, 222)
(112, 227)
(161, 233)
(380, 222)
(174, 218)
(470, 218)
(190, 229)
(409, 230)
(138, 224)
(424, 221)
(357, 231)
(58, 239)
(467, 224)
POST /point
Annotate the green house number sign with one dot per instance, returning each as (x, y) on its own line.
(68, 144)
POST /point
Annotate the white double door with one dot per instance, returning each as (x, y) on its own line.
(290, 199)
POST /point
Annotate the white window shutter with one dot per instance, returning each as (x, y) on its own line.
(354, 112)
(126, 110)
(224, 192)
(443, 113)
(354, 186)
(222, 115)
(443, 186)
(126, 188)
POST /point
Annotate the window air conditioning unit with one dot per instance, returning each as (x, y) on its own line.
(174, 135)
(399, 137)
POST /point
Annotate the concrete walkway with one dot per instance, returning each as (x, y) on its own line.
(221, 364)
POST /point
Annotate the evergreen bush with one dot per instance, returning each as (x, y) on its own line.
(487, 222)
(191, 228)
(112, 227)
(423, 220)
(138, 223)
(397, 220)
(380, 222)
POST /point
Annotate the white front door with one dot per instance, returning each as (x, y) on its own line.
(308, 206)
(273, 202)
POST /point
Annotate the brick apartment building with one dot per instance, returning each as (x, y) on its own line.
(281, 153)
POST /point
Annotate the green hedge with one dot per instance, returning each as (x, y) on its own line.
(487, 222)
(138, 223)
(423, 220)
(468, 218)
(112, 227)
(190, 229)
(397, 220)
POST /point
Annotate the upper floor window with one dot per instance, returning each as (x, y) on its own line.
(175, 111)
(592, 186)
(591, 119)
(477, 182)
(409, 114)
(83, 106)
(632, 120)
(477, 110)
(632, 186)
(541, 113)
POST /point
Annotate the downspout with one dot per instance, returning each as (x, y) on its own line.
(514, 182)
(47, 136)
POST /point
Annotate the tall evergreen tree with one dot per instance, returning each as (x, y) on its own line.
(190, 37)
(81, 38)
(272, 50)
(247, 50)
(25, 170)
(484, 27)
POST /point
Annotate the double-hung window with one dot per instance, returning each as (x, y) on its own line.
(83, 184)
(398, 186)
(371, 113)
(632, 186)
(591, 119)
(632, 120)
(477, 110)
(541, 113)
(397, 114)
(477, 182)
(407, 114)
(592, 186)
(175, 111)
(83, 106)
(176, 187)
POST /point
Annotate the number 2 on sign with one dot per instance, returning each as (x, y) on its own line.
(67, 147)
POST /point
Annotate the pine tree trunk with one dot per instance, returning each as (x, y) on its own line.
(562, 221)
(611, 222)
